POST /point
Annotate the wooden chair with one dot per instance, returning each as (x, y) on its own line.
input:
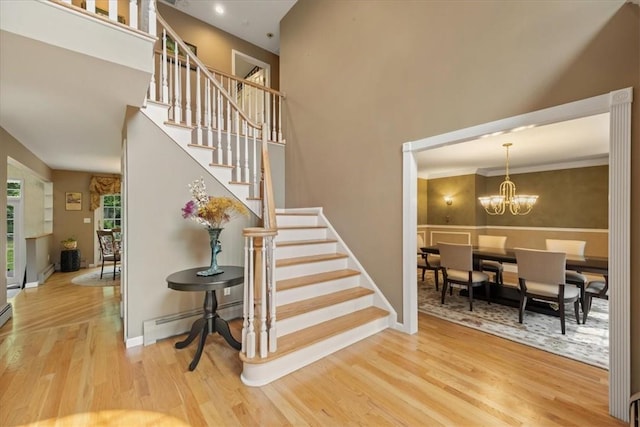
(457, 268)
(495, 267)
(594, 289)
(541, 275)
(109, 250)
(573, 248)
(426, 261)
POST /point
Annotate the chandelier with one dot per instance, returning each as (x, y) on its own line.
(508, 199)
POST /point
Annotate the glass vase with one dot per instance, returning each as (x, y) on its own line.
(216, 248)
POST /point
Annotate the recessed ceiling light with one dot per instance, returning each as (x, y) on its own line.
(219, 9)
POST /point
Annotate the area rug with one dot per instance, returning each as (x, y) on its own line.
(588, 343)
(92, 278)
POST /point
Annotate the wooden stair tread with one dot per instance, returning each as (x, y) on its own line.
(206, 147)
(305, 242)
(300, 227)
(305, 306)
(308, 259)
(297, 340)
(296, 282)
(297, 213)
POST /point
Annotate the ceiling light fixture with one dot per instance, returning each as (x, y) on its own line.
(517, 204)
(219, 9)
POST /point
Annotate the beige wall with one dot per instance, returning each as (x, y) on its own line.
(71, 223)
(568, 198)
(214, 45)
(11, 148)
(389, 72)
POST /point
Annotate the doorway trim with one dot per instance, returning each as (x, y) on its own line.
(618, 105)
(251, 60)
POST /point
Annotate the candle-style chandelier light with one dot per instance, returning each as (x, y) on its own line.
(508, 200)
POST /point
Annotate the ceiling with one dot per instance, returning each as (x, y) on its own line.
(573, 143)
(250, 20)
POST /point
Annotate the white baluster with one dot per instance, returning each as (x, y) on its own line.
(237, 170)
(245, 295)
(273, 333)
(199, 108)
(113, 10)
(229, 158)
(214, 106)
(151, 12)
(251, 334)
(187, 77)
(263, 302)
(90, 5)
(177, 108)
(207, 113)
(133, 14)
(280, 119)
(246, 153)
(256, 189)
(165, 85)
(220, 124)
(152, 83)
(271, 119)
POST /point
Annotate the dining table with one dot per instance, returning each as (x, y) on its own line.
(510, 295)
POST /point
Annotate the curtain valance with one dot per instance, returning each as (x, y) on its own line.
(102, 185)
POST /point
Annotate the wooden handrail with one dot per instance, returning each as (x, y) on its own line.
(206, 72)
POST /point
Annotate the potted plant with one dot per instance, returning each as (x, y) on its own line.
(70, 243)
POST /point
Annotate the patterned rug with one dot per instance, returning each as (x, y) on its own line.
(588, 343)
(92, 278)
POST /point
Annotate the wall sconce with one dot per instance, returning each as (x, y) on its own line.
(448, 200)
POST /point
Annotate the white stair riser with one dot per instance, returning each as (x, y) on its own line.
(296, 220)
(182, 136)
(259, 374)
(305, 250)
(296, 234)
(314, 317)
(157, 112)
(310, 268)
(317, 289)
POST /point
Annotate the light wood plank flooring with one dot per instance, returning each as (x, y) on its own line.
(62, 354)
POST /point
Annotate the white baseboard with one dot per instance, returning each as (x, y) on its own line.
(180, 323)
(5, 313)
(133, 342)
(31, 285)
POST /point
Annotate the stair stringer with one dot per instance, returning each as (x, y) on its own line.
(183, 136)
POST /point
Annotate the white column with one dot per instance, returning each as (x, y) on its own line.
(619, 253)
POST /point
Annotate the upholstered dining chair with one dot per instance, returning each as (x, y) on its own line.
(427, 261)
(594, 289)
(457, 268)
(109, 251)
(541, 275)
(573, 248)
(495, 267)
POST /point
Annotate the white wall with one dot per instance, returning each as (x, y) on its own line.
(158, 241)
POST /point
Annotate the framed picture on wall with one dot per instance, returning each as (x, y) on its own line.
(73, 201)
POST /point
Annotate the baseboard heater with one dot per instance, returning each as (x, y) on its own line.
(180, 323)
(5, 313)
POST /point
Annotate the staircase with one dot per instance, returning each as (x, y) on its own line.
(325, 300)
(306, 295)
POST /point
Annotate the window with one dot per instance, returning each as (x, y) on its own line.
(14, 188)
(111, 211)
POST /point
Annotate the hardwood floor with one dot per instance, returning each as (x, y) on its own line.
(62, 354)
